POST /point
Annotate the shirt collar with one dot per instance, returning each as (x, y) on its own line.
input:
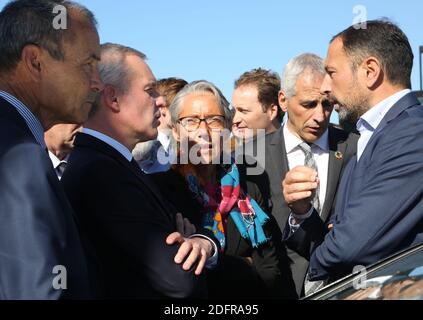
(372, 118)
(124, 151)
(30, 119)
(55, 160)
(292, 141)
(164, 140)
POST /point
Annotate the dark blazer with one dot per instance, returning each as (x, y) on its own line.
(127, 220)
(37, 227)
(379, 210)
(276, 166)
(235, 278)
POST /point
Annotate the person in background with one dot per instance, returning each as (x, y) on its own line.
(256, 105)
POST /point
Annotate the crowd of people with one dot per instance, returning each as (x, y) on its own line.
(115, 185)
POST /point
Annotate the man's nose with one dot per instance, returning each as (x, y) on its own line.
(236, 119)
(326, 87)
(96, 84)
(319, 113)
(160, 101)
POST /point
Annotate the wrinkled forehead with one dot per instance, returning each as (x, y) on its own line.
(308, 85)
(199, 103)
(82, 35)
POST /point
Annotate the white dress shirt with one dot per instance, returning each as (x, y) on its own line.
(320, 150)
(124, 151)
(368, 122)
(57, 163)
(161, 156)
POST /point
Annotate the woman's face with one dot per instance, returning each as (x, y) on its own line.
(199, 128)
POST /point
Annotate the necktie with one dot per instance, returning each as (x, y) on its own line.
(311, 163)
(60, 169)
(311, 286)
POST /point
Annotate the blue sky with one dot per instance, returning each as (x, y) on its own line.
(219, 40)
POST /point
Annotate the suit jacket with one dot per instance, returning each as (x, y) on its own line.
(126, 218)
(235, 278)
(276, 166)
(379, 210)
(37, 227)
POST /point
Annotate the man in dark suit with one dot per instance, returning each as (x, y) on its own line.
(330, 148)
(41, 256)
(379, 209)
(131, 226)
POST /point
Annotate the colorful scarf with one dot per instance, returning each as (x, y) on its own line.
(219, 201)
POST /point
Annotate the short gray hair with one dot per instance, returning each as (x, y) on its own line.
(296, 67)
(200, 86)
(113, 69)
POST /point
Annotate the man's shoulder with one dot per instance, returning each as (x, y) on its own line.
(339, 135)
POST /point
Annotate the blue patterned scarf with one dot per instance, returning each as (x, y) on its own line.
(228, 199)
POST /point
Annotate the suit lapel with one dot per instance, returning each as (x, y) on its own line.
(404, 103)
(278, 159)
(148, 184)
(337, 147)
(9, 112)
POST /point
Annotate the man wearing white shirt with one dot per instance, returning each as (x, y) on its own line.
(306, 138)
(379, 208)
(132, 227)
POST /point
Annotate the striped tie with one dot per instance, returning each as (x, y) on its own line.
(311, 163)
(311, 286)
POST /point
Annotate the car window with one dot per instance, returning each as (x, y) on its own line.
(398, 278)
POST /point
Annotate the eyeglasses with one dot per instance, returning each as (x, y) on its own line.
(193, 123)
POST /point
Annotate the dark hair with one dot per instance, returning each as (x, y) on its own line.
(169, 87)
(385, 41)
(268, 84)
(24, 22)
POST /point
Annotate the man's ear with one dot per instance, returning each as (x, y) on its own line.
(273, 111)
(31, 58)
(372, 71)
(283, 101)
(175, 133)
(111, 98)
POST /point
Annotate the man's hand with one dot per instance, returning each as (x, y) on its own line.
(298, 188)
(184, 226)
(192, 251)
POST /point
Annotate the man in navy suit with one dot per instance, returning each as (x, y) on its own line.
(47, 76)
(379, 209)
